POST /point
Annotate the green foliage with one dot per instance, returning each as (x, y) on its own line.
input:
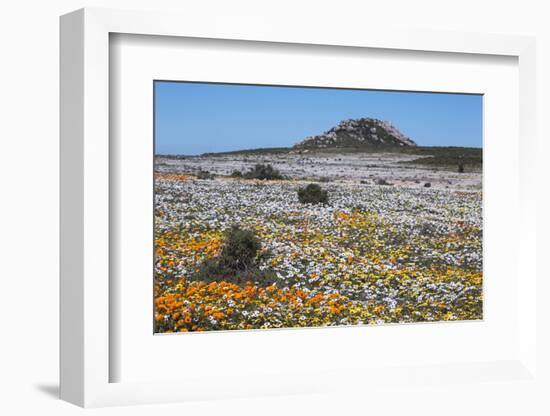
(240, 248)
(236, 174)
(312, 194)
(263, 172)
(237, 262)
(448, 158)
(204, 174)
(382, 181)
(213, 270)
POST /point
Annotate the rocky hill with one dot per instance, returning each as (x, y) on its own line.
(362, 132)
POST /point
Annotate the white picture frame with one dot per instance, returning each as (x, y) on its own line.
(86, 356)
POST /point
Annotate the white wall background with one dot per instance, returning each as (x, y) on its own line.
(29, 180)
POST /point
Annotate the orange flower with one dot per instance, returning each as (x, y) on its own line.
(218, 315)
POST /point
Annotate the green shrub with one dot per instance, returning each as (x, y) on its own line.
(204, 174)
(383, 182)
(460, 167)
(236, 174)
(263, 172)
(240, 248)
(427, 229)
(312, 194)
(237, 262)
(212, 270)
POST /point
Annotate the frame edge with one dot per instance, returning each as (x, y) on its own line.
(71, 219)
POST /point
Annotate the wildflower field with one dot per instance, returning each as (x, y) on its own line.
(372, 254)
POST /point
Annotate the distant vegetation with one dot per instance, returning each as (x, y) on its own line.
(461, 159)
(265, 150)
(204, 174)
(382, 181)
(262, 172)
(470, 155)
(312, 194)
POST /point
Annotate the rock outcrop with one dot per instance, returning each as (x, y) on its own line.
(362, 132)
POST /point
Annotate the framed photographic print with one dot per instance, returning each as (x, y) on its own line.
(357, 224)
(280, 213)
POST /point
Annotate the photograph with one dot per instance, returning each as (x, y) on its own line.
(300, 207)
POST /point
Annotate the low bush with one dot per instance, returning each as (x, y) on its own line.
(427, 185)
(263, 172)
(204, 174)
(213, 270)
(240, 248)
(312, 194)
(236, 174)
(426, 229)
(382, 181)
(237, 262)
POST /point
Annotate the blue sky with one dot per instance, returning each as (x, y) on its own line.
(195, 118)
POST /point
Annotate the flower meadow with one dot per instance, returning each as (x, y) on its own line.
(371, 255)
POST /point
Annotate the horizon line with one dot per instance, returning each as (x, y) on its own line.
(389, 148)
